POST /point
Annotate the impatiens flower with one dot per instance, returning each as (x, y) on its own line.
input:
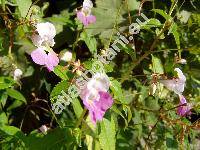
(44, 39)
(177, 85)
(96, 98)
(41, 57)
(84, 15)
(17, 74)
(185, 109)
(45, 35)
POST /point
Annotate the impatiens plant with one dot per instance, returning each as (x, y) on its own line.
(99, 74)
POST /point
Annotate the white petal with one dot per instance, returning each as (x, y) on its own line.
(46, 30)
(17, 74)
(87, 4)
(100, 82)
(180, 74)
(37, 40)
(175, 85)
(67, 56)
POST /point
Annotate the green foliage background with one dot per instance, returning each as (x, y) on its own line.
(137, 120)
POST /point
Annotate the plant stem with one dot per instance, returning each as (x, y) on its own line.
(81, 118)
(151, 48)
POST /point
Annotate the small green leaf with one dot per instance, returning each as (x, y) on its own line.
(151, 23)
(62, 86)
(3, 118)
(12, 131)
(107, 136)
(23, 6)
(117, 111)
(14, 105)
(16, 95)
(117, 91)
(157, 65)
(89, 41)
(6, 82)
(174, 31)
(129, 50)
(55, 139)
(3, 5)
(77, 107)
(162, 13)
(61, 72)
(3, 97)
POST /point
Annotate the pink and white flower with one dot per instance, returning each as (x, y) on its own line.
(96, 98)
(44, 39)
(177, 84)
(84, 15)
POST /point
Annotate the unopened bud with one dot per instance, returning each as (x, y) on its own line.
(67, 56)
(43, 129)
(17, 74)
(152, 89)
(78, 72)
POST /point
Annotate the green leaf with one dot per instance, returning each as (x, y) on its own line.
(129, 50)
(14, 105)
(3, 97)
(3, 5)
(62, 86)
(109, 14)
(16, 95)
(6, 82)
(117, 111)
(117, 91)
(77, 107)
(174, 31)
(152, 22)
(56, 139)
(89, 41)
(107, 136)
(12, 131)
(23, 6)
(157, 65)
(162, 13)
(61, 72)
(3, 118)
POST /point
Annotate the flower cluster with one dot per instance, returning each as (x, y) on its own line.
(177, 85)
(44, 40)
(96, 98)
(84, 15)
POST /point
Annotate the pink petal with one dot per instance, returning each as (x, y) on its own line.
(82, 18)
(91, 19)
(98, 108)
(39, 56)
(52, 60)
(86, 20)
(183, 110)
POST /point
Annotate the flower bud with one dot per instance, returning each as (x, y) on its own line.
(78, 72)
(67, 56)
(152, 89)
(17, 74)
